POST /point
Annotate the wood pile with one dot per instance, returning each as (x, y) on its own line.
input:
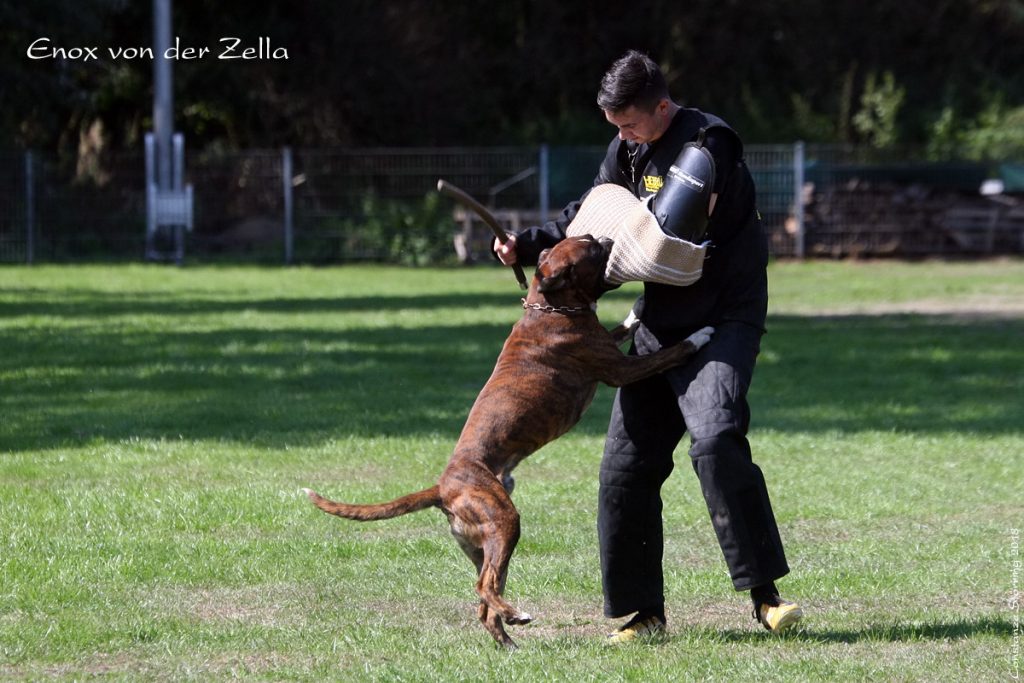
(867, 219)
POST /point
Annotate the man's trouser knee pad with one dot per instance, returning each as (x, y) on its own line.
(741, 513)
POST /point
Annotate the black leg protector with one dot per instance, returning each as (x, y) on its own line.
(741, 513)
(713, 402)
(645, 427)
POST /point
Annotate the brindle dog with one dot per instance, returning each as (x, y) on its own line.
(545, 377)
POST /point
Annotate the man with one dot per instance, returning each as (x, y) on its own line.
(707, 396)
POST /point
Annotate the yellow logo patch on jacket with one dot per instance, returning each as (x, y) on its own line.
(653, 183)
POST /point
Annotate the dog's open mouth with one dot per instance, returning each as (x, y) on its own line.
(606, 244)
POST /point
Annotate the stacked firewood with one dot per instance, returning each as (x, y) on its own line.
(858, 218)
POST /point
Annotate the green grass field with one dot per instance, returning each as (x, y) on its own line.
(156, 425)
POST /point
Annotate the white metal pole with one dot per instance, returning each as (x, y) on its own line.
(798, 198)
(178, 185)
(163, 93)
(286, 186)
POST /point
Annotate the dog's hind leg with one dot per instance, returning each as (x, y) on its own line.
(491, 621)
(498, 547)
(486, 524)
(469, 544)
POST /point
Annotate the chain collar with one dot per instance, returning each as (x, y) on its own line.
(567, 310)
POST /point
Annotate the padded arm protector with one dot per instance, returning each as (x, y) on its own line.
(681, 205)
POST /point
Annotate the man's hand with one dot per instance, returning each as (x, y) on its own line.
(506, 252)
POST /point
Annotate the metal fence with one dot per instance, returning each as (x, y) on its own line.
(61, 212)
(16, 221)
(332, 206)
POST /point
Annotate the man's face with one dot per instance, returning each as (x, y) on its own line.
(639, 126)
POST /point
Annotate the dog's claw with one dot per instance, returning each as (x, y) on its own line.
(701, 336)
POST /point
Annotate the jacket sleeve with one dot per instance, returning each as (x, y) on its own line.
(533, 240)
(726, 150)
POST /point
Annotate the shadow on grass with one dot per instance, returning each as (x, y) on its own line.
(916, 373)
(955, 630)
(85, 303)
(108, 377)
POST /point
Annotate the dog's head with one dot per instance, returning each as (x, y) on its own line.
(573, 270)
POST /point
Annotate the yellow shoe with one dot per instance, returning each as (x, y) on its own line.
(637, 627)
(779, 616)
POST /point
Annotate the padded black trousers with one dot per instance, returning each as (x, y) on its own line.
(707, 398)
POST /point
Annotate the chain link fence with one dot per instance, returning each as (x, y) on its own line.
(345, 205)
(15, 219)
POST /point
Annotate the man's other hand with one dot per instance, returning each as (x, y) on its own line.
(506, 252)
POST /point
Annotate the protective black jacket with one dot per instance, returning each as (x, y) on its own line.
(734, 285)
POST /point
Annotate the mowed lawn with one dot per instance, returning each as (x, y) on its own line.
(156, 425)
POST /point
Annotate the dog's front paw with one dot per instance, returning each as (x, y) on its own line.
(701, 336)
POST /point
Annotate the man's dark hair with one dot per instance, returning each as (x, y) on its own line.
(634, 80)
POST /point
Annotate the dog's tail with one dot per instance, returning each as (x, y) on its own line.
(364, 513)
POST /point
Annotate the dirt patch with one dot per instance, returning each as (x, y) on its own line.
(257, 605)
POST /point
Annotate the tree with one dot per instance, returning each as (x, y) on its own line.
(423, 72)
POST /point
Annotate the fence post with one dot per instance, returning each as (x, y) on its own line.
(30, 208)
(545, 199)
(286, 185)
(798, 197)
